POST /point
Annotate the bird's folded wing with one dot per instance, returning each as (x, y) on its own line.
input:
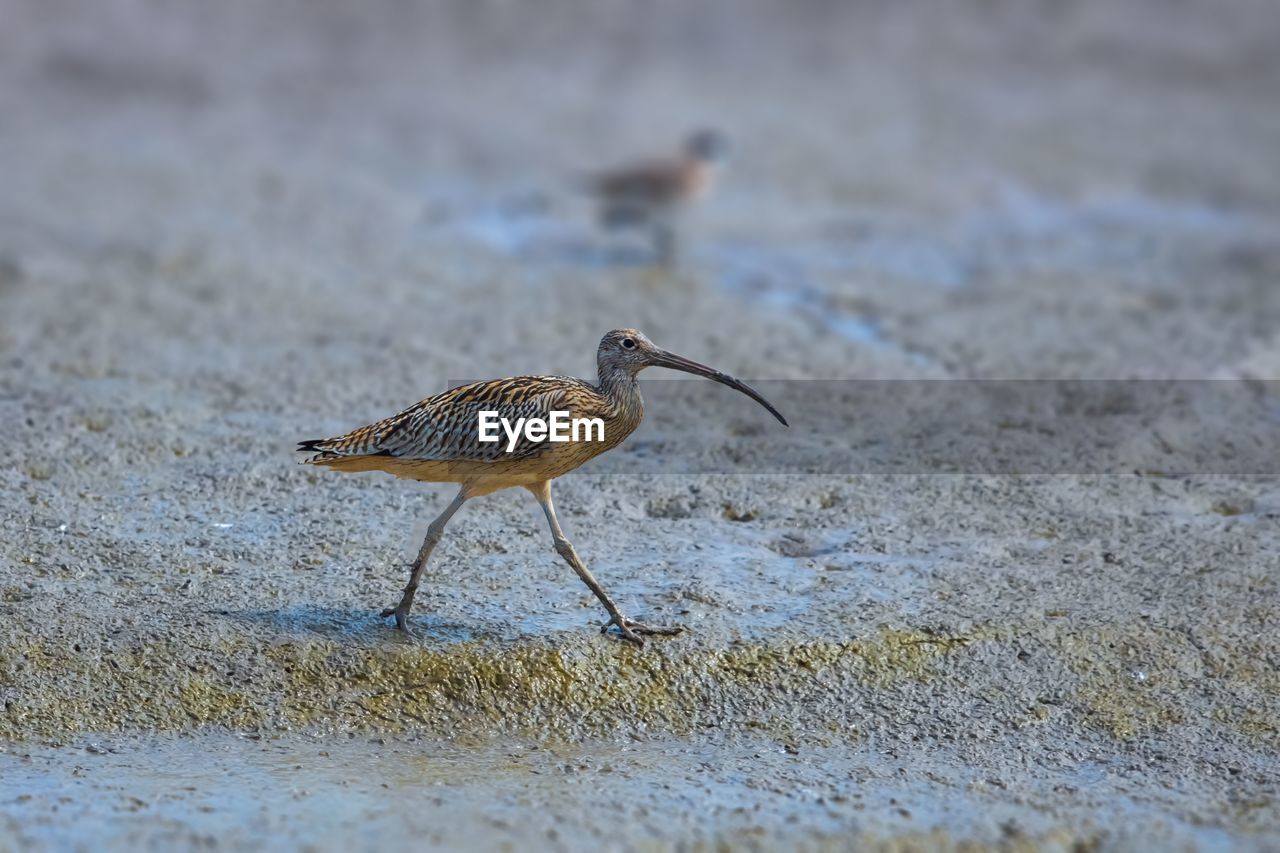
(446, 427)
(646, 182)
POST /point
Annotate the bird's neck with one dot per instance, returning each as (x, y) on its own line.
(620, 387)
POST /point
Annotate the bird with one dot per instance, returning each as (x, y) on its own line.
(651, 194)
(439, 440)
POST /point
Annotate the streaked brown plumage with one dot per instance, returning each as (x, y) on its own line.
(648, 195)
(437, 440)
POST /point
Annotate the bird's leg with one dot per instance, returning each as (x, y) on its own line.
(664, 240)
(434, 532)
(630, 630)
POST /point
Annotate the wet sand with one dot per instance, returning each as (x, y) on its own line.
(225, 231)
(700, 794)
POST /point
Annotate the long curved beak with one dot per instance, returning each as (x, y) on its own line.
(662, 358)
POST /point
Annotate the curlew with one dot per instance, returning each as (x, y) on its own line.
(649, 195)
(438, 440)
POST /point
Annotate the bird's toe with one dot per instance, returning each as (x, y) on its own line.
(655, 630)
(635, 632)
(401, 614)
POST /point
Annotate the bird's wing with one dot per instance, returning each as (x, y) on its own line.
(643, 182)
(446, 427)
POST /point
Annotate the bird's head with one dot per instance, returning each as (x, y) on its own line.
(629, 351)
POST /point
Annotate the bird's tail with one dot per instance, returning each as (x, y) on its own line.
(328, 454)
(323, 448)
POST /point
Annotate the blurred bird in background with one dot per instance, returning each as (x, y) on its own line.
(650, 196)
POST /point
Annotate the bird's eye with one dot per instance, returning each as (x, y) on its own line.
(627, 343)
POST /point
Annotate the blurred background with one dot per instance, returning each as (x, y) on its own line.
(229, 226)
(952, 189)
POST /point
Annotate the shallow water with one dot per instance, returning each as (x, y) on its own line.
(221, 791)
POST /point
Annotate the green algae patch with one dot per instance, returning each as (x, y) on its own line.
(1124, 679)
(1121, 679)
(588, 686)
(1130, 677)
(207, 702)
(1139, 678)
(68, 691)
(881, 661)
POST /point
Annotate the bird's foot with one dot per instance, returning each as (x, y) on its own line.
(401, 612)
(635, 632)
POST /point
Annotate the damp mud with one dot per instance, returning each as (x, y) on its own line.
(226, 230)
(704, 794)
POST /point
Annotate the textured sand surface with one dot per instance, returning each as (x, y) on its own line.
(226, 228)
